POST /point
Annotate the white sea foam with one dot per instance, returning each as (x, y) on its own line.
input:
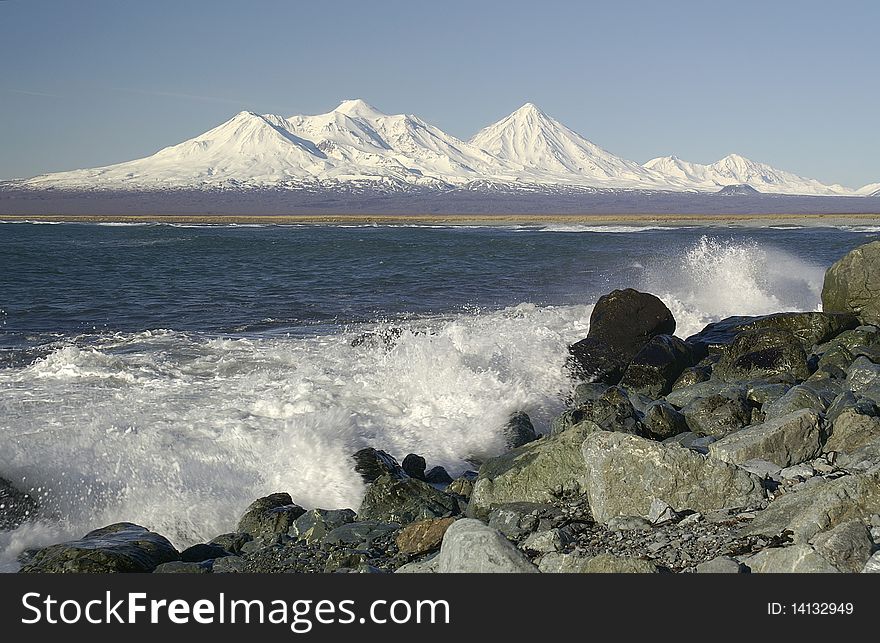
(180, 433)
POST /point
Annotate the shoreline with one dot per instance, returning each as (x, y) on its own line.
(670, 220)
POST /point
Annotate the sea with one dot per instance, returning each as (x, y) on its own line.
(168, 375)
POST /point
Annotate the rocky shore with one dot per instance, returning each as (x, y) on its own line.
(751, 447)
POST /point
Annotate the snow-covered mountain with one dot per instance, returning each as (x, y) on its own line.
(738, 170)
(872, 189)
(356, 144)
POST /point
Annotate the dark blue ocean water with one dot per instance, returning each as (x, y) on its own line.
(81, 278)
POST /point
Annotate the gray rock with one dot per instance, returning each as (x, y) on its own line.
(657, 366)
(315, 524)
(544, 542)
(404, 501)
(624, 474)
(784, 441)
(232, 542)
(873, 564)
(621, 323)
(802, 470)
(721, 565)
(461, 486)
(862, 375)
(761, 468)
(588, 392)
(269, 517)
(372, 464)
(612, 411)
(121, 547)
(229, 565)
(795, 559)
(851, 430)
(818, 508)
(691, 376)
(852, 284)
(681, 397)
(202, 552)
(717, 415)
(629, 523)
(469, 546)
(848, 546)
(663, 421)
(519, 430)
(862, 459)
(181, 567)
(849, 400)
(764, 393)
(557, 563)
(426, 566)
(610, 564)
(361, 534)
(660, 513)
(515, 519)
(762, 353)
(535, 472)
(797, 398)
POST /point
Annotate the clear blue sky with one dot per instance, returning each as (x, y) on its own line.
(794, 84)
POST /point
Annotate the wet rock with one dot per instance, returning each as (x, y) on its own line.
(519, 430)
(624, 474)
(16, 507)
(818, 508)
(810, 328)
(784, 441)
(461, 486)
(762, 353)
(622, 322)
(232, 542)
(202, 552)
(269, 517)
(848, 546)
(414, 466)
(121, 547)
(372, 464)
(438, 475)
(663, 421)
(795, 559)
(851, 430)
(852, 284)
(181, 567)
(314, 525)
(764, 393)
(588, 392)
(683, 396)
(534, 472)
(423, 536)
(692, 375)
(717, 415)
(404, 501)
(657, 366)
(469, 546)
(361, 534)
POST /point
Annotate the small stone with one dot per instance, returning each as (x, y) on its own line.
(794, 472)
(761, 468)
(414, 466)
(372, 464)
(269, 517)
(721, 565)
(629, 523)
(422, 537)
(556, 563)
(461, 487)
(544, 542)
(691, 519)
(438, 475)
(873, 564)
(660, 512)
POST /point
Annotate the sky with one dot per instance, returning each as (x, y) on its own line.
(86, 83)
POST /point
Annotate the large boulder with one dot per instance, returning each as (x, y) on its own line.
(794, 559)
(533, 472)
(121, 547)
(405, 501)
(663, 421)
(656, 367)
(819, 507)
(314, 525)
(625, 474)
(469, 546)
(762, 353)
(270, 517)
(519, 430)
(16, 507)
(717, 415)
(372, 464)
(852, 284)
(848, 546)
(852, 430)
(810, 328)
(613, 410)
(790, 439)
(622, 322)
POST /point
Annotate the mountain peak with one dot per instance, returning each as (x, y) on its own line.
(357, 107)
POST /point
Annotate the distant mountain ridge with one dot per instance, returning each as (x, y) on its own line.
(358, 145)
